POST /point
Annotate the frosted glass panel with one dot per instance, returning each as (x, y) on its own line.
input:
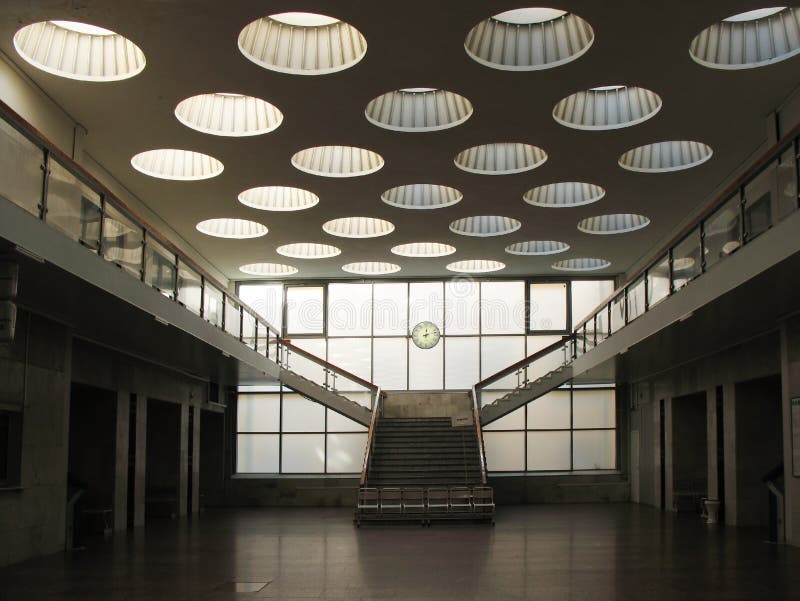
(304, 310)
(339, 423)
(461, 315)
(489, 396)
(461, 357)
(308, 368)
(594, 408)
(346, 453)
(20, 169)
(548, 451)
(425, 369)
(303, 453)
(349, 309)
(266, 300)
(503, 307)
(513, 421)
(257, 453)
(658, 281)
(498, 352)
(390, 309)
(594, 450)
(302, 415)
(505, 451)
(353, 355)
(258, 412)
(548, 308)
(390, 363)
(587, 295)
(547, 363)
(426, 303)
(550, 411)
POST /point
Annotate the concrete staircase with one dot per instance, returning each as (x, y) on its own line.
(525, 394)
(325, 396)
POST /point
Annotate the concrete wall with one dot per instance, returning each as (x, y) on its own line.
(291, 492)
(560, 488)
(790, 388)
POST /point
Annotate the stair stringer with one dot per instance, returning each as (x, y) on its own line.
(521, 396)
(326, 397)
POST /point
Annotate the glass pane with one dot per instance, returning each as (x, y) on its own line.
(758, 195)
(426, 303)
(20, 170)
(302, 415)
(122, 241)
(594, 450)
(587, 295)
(232, 317)
(304, 310)
(390, 309)
(498, 352)
(159, 267)
(308, 368)
(303, 453)
(618, 313)
(503, 307)
(425, 369)
(266, 300)
(257, 453)
(212, 305)
(658, 281)
(72, 206)
(548, 309)
(722, 232)
(548, 451)
(787, 185)
(390, 363)
(190, 287)
(594, 408)
(686, 260)
(636, 299)
(487, 397)
(339, 423)
(461, 314)
(547, 363)
(248, 328)
(601, 325)
(346, 453)
(505, 451)
(258, 413)
(550, 412)
(349, 309)
(461, 357)
(513, 421)
(353, 355)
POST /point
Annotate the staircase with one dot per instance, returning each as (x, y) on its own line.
(526, 393)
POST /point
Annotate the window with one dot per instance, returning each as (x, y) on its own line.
(503, 307)
(304, 310)
(548, 307)
(266, 300)
(390, 309)
(461, 314)
(587, 295)
(349, 309)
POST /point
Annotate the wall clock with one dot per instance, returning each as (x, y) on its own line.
(425, 335)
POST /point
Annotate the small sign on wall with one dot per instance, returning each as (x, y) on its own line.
(795, 406)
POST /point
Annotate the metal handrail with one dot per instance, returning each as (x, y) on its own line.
(370, 438)
(327, 365)
(476, 416)
(524, 362)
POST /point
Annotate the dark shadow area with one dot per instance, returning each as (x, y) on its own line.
(163, 459)
(689, 451)
(212, 459)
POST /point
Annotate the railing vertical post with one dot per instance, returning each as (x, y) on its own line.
(796, 146)
(742, 214)
(45, 184)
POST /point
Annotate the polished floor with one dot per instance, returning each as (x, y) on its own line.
(570, 552)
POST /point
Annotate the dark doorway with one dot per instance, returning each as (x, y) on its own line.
(662, 451)
(212, 459)
(163, 459)
(689, 451)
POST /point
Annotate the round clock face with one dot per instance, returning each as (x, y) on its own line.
(425, 334)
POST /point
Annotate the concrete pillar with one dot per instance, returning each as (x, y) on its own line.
(711, 438)
(195, 492)
(121, 461)
(729, 450)
(140, 478)
(790, 387)
(656, 450)
(669, 479)
(183, 462)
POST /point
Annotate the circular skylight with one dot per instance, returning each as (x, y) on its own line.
(529, 39)
(424, 249)
(620, 223)
(358, 227)
(172, 163)
(302, 43)
(500, 159)
(663, 157)
(371, 268)
(755, 38)
(337, 161)
(421, 196)
(79, 51)
(237, 229)
(564, 195)
(607, 107)
(308, 250)
(485, 226)
(582, 264)
(222, 114)
(268, 269)
(278, 198)
(537, 247)
(418, 110)
(476, 266)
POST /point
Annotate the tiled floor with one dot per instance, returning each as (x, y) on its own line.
(572, 552)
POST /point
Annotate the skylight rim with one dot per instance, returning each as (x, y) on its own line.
(268, 270)
(559, 247)
(288, 250)
(407, 250)
(339, 227)
(475, 266)
(217, 167)
(243, 197)
(371, 268)
(213, 226)
(573, 265)
(268, 108)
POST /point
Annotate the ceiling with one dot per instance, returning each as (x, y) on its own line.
(191, 48)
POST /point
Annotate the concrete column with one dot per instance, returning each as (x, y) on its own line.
(669, 478)
(195, 492)
(140, 481)
(790, 387)
(711, 438)
(183, 462)
(656, 449)
(121, 461)
(729, 431)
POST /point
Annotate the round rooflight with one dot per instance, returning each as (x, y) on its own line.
(537, 247)
(582, 264)
(337, 161)
(278, 198)
(755, 15)
(299, 19)
(176, 164)
(476, 266)
(663, 157)
(564, 195)
(358, 227)
(308, 250)
(500, 159)
(422, 196)
(485, 225)
(268, 269)
(371, 268)
(529, 16)
(620, 223)
(423, 249)
(237, 229)
(84, 28)
(418, 110)
(609, 107)
(224, 114)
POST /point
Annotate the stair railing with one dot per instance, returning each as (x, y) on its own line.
(370, 447)
(476, 417)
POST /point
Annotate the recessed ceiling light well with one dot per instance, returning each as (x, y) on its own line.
(224, 114)
(308, 250)
(268, 269)
(278, 198)
(418, 110)
(422, 196)
(755, 38)
(476, 266)
(485, 225)
(619, 223)
(502, 158)
(663, 157)
(582, 264)
(607, 107)
(176, 164)
(358, 227)
(337, 161)
(423, 249)
(564, 195)
(529, 39)
(371, 268)
(302, 43)
(537, 247)
(79, 51)
(236, 229)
